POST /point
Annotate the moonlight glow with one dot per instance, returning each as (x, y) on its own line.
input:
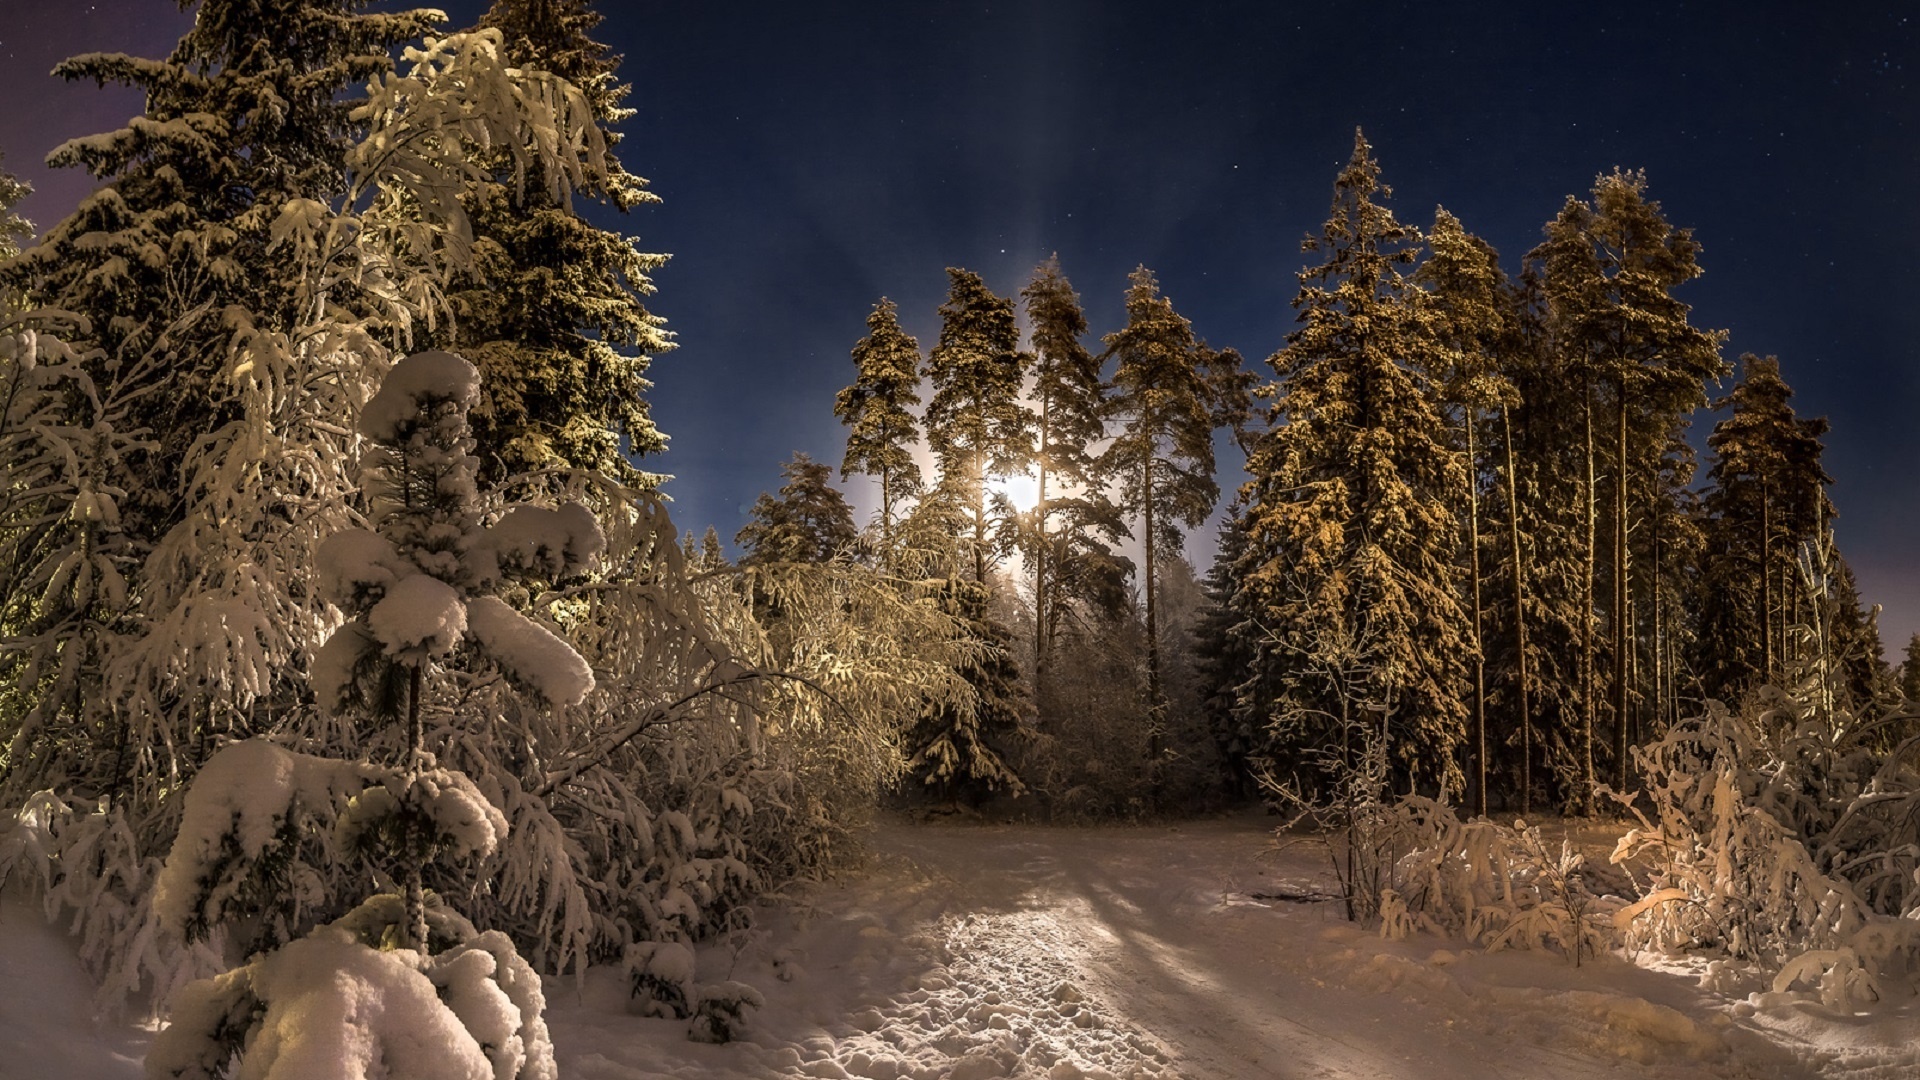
(1022, 490)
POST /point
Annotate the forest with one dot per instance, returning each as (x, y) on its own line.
(345, 628)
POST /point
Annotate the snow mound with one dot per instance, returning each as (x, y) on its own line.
(419, 614)
(355, 565)
(414, 383)
(530, 655)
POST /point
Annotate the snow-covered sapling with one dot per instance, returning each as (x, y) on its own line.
(417, 585)
(399, 980)
(721, 1012)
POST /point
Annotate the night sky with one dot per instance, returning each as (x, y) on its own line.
(815, 157)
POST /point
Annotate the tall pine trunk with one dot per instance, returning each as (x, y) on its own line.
(1154, 710)
(1479, 641)
(980, 518)
(1587, 617)
(1622, 618)
(1766, 581)
(1042, 608)
(1519, 623)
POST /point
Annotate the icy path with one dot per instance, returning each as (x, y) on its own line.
(971, 952)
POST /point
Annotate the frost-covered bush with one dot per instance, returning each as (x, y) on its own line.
(1782, 834)
(662, 978)
(1500, 887)
(1412, 864)
(720, 1014)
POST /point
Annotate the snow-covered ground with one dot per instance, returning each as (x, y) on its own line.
(976, 951)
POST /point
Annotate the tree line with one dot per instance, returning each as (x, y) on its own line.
(1474, 515)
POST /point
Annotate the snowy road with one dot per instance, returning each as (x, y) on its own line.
(970, 952)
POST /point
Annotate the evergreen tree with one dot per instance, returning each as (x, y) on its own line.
(250, 112)
(416, 586)
(1910, 670)
(1162, 455)
(975, 422)
(809, 522)
(1462, 277)
(876, 409)
(1610, 270)
(961, 744)
(1351, 535)
(1768, 496)
(1071, 560)
(1224, 651)
(553, 312)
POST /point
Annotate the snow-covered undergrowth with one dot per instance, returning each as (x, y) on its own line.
(969, 951)
(1781, 837)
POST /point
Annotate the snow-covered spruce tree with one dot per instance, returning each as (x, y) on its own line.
(1351, 536)
(252, 110)
(959, 744)
(809, 521)
(1162, 455)
(1223, 652)
(1461, 275)
(553, 312)
(876, 409)
(218, 616)
(399, 982)
(976, 425)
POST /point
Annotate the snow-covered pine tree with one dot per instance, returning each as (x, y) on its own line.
(418, 589)
(1767, 496)
(1162, 455)
(553, 312)
(976, 425)
(1351, 533)
(1610, 269)
(1461, 275)
(808, 522)
(1068, 543)
(876, 409)
(252, 110)
(218, 615)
